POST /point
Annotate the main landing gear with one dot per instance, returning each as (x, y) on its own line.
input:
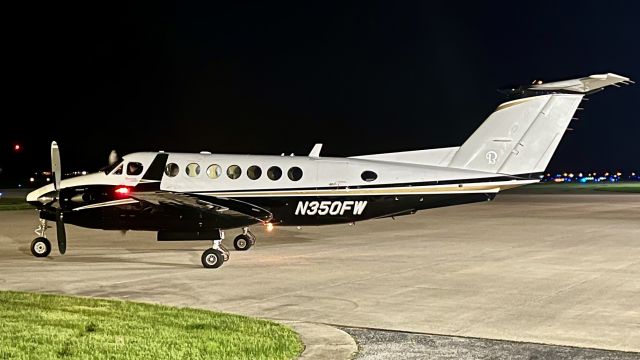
(217, 255)
(41, 246)
(244, 241)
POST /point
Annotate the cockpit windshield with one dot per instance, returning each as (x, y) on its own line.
(107, 170)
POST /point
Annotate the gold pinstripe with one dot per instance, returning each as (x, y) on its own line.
(494, 187)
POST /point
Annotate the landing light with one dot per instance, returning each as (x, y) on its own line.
(269, 227)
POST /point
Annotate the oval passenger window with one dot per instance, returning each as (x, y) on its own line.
(193, 170)
(214, 171)
(254, 172)
(295, 173)
(274, 173)
(368, 176)
(234, 172)
(172, 169)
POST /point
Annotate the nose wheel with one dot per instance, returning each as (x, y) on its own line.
(40, 247)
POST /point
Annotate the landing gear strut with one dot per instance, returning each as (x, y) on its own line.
(41, 246)
(244, 241)
(216, 256)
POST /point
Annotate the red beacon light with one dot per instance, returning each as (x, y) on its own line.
(122, 191)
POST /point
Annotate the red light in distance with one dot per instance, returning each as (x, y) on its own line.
(17, 147)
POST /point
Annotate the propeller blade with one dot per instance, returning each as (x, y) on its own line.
(55, 165)
(113, 157)
(61, 233)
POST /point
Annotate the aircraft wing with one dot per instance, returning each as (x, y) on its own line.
(222, 206)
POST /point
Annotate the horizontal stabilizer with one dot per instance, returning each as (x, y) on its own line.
(583, 85)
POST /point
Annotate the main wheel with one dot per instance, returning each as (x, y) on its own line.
(40, 247)
(212, 258)
(243, 242)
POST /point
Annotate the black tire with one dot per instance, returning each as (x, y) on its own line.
(40, 247)
(212, 258)
(243, 242)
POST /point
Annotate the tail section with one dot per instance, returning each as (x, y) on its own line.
(521, 136)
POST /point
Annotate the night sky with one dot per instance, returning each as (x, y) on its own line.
(266, 79)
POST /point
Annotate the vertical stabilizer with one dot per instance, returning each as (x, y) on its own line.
(521, 136)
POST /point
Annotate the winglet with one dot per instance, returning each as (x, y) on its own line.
(315, 152)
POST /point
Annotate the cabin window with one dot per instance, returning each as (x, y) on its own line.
(274, 173)
(295, 173)
(368, 176)
(234, 172)
(172, 169)
(134, 168)
(254, 172)
(214, 171)
(193, 170)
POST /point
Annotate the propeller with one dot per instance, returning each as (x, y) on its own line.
(113, 157)
(57, 178)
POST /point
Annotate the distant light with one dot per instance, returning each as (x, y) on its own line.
(0, 194)
(48, 179)
(269, 227)
(17, 147)
(84, 173)
(32, 179)
(122, 191)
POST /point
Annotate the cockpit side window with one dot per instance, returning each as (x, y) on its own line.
(134, 168)
(118, 171)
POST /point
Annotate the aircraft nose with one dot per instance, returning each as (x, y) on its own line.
(34, 196)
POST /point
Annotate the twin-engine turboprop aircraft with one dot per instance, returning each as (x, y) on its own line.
(198, 196)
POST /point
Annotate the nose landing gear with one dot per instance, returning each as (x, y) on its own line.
(41, 246)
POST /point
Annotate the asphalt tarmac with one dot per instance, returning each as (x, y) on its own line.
(550, 269)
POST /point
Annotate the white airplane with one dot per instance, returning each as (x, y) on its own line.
(186, 196)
